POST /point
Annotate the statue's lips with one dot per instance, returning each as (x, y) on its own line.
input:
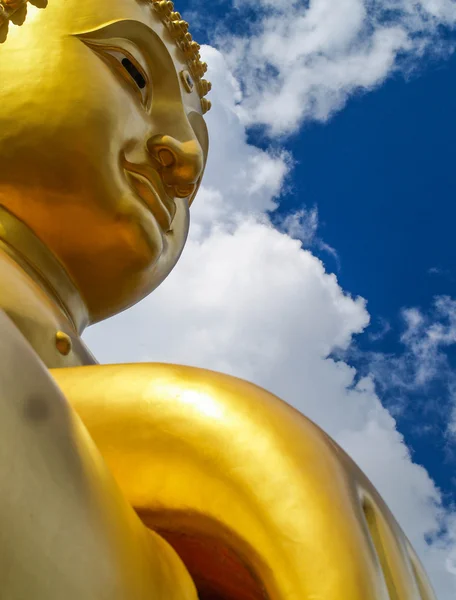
(151, 192)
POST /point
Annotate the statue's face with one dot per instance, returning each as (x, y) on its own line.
(102, 143)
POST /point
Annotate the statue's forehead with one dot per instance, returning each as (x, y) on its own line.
(72, 17)
(75, 13)
(62, 18)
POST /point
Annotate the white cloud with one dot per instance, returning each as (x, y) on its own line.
(249, 179)
(426, 340)
(247, 299)
(302, 225)
(303, 60)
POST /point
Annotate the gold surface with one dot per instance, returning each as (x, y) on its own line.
(210, 457)
(38, 296)
(81, 144)
(102, 150)
(16, 12)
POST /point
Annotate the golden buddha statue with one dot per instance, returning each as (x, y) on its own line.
(143, 481)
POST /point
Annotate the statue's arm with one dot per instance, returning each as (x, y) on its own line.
(66, 530)
(235, 478)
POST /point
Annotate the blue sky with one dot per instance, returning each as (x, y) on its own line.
(328, 204)
(381, 174)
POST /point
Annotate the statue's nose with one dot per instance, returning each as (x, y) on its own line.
(180, 163)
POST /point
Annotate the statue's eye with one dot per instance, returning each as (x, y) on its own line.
(135, 73)
(132, 71)
(127, 66)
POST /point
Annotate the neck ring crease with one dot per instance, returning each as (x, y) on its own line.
(29, 252)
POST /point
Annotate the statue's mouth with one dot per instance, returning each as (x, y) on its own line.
(148, 187)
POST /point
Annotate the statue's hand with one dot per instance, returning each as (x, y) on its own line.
(257, 500)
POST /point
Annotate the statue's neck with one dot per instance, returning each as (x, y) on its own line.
(38, 262)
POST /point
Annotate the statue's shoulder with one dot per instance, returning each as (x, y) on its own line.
(159, 380)
(149, 405)
(128, 399)
(144, 389)
(245, 487)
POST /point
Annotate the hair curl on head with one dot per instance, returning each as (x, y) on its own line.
(16, 12)
(176, 26)
(9, 7)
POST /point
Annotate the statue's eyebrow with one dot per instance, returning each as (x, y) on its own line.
(141, 35)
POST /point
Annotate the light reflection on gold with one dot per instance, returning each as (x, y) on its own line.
(202, 402)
